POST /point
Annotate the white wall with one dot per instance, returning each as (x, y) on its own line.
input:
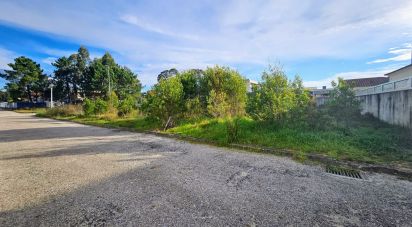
(392, 107)
(401, 74)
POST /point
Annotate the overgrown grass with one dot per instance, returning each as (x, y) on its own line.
(31, 110)
(367, 140)
(66, 110)
(138, 123)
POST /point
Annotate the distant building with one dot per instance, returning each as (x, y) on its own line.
(362, 83)
(399, 74)
(320, 96)
(250, 84)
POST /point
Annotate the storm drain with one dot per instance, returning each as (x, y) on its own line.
(343, 172)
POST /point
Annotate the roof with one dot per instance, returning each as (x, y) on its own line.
(405, 67)
(252, 81)
(321, 91)
(367, 82)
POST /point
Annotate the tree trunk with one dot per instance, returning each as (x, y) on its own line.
(167, 123)
(75, 92)
(29, 94)
(68, 91)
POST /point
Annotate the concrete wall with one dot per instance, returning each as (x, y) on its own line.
(393, 107)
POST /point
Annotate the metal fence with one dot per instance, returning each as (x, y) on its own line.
(22, 105)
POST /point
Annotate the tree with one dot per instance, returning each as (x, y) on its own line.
(302, 97)
(194, 97)
(226, 91)
(342, 103)
(25, 78)
(127, 105)
(72, 74)
(167, 74)
(163, 102)
(191, 81)
(78, 76)
(4, 96)
(104, 71)
(63, 78)
(274, 98)
(302, 100)
(80, 62)
(125, 82)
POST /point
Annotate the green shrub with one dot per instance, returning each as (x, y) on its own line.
(277, 99)
(164, 101)
(226, 90)
(232, 129)
(89, 107)
(342, 104)
(113, 101)
(64, 111)
(193, 108)
(100, 106)
(126, 106)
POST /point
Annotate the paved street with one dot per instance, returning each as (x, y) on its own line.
(60, 173)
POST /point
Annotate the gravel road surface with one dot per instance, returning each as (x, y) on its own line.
(55, 173)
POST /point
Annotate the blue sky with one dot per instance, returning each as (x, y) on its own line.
(319, 40)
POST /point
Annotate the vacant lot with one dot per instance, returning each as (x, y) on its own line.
(61, 173)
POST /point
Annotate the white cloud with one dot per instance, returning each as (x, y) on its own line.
(56, 52)
(49, 60)
(403, 53)
(6, 57)
(134, 20)
(148, 35)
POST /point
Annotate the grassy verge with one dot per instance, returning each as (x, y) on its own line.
(31, 110)
(138, 123)
(367, 140)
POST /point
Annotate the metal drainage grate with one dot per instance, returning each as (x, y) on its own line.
(343, 172)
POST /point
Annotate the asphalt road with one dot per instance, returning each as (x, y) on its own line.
(59, 173)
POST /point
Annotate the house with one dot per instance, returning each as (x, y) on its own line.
(399, 74)
(363, 83)
(320, 96)
(250, 84)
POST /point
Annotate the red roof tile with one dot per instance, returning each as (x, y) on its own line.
(367, 82)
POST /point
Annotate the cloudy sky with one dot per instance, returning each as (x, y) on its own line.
(316, 39)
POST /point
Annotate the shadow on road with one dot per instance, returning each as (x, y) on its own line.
(44, 133)
(107, 144)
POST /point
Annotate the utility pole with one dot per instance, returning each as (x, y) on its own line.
(108, 75)
(51, 95)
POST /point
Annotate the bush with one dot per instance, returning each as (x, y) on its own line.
(100, 106)
(64, 111)
(226, 90)
(113, 101)
(193, 109)
(89, 107)
(278, 99)
(342, 104)
(232, 128)
(164, 102)
(126, 106)
(110, 114)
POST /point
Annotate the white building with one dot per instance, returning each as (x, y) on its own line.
(250, 84)
(399, 74)
(320, 96)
